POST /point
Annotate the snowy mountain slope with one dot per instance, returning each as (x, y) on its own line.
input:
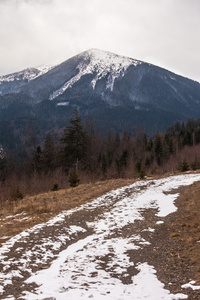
(13, 82)
(26, 75)
(116, 79)
(101, 63)
(120, 93)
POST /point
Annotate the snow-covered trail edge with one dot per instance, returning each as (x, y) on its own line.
(96, 264)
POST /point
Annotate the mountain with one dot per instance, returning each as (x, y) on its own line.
(120, 93)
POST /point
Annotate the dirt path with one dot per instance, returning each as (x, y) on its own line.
(103, 245)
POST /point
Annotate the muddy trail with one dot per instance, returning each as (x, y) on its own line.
(118, 246)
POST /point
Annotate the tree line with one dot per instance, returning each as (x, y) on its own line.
(83, 154)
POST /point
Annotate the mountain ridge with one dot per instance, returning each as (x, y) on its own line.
(101, 65)
(119, 92)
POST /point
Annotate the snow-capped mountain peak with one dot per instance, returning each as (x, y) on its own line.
(13, 83)
(26, 75)
(100, 59)
(102, 64)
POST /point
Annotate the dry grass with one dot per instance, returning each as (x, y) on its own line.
(32, 210)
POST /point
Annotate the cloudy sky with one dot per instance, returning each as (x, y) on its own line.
(162, 32)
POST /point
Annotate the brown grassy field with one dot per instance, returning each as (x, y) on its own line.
(31, 210)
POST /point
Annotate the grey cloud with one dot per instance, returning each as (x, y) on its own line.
(164, 32)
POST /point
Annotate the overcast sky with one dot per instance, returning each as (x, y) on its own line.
(163, 32)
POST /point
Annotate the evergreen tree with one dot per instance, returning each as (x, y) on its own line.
(148, 160)
(169, 143)
(138, 166)
(195, 165)
(184, 166)
(117, 140)
(126, 137)
(76, 144)
(74, 178)
(3, 165)
(49, 154)
(158, 149)
(37, 160)
(109, 158)
(123, 161)
(103, 163)
(149, 145)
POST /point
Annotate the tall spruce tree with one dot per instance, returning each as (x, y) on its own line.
(158, 149)
(76, 143)
(3, 165)
(37, 159)
(49, 154)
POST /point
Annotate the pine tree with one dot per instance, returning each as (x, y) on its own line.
(184, 166)
(74, 178)
(158, 149)
(117, 140)
(122, 161)
(76, 144)
(3, 165)
(49, 154)
(104, 165)
(37, 160)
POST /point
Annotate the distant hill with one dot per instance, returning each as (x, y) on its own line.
(120, 93)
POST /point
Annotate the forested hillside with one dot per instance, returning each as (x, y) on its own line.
(82, 154)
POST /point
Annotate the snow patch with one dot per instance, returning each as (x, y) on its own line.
(159, 222)
(191, 285)
(44, 69)
(61, 283)
(62, 104)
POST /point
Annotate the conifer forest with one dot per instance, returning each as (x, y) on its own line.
(83, 154)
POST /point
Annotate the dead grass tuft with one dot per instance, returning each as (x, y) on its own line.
(175, 234)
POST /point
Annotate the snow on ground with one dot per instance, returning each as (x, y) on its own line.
(191, 285)
(77, 271)
(75, 274)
